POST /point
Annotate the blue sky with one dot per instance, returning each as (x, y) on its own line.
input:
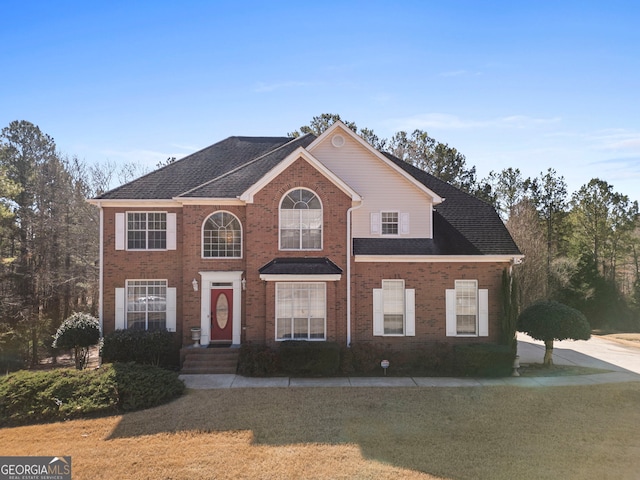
(526, 84)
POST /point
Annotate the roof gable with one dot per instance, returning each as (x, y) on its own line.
(339, 128)
(284, 164)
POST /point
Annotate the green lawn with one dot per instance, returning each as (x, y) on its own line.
(492, 433)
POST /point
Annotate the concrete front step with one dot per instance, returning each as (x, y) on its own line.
(209, 360)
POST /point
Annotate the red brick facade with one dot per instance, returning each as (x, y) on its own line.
(260, 245)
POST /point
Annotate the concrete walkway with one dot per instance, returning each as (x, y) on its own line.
(622, 363)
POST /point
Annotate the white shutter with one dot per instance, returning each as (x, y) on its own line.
(483, 313)
(171, 309)
(120, 306)
(410, 312)
(378, 313)
(171, 231)
(452, 327)
(375, 223)
(121, 231)
(404, 223)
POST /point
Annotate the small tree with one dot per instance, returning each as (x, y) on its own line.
(78, 332)
(549, 320)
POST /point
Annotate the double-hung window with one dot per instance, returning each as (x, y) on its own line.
(389, 223)
(300, 221)
(145, 305)
(467, 310)
(393, 309)
(145, 231)
(300, 311)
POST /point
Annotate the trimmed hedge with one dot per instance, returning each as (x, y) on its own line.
(309, 358)
(40, 396)
(327, 359)
(483, 360)
(257, 361)
(432, 360)
(148, 347)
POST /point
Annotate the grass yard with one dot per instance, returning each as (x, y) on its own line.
(357, 433)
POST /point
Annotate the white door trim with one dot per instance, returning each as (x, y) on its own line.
(206, 279)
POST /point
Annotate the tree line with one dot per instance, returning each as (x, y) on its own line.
(49, 239)
(581, 249)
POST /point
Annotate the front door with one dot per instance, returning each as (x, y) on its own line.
(221, 314)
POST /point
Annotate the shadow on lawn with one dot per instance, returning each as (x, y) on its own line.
(456, 433)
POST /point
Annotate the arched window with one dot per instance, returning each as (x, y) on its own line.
(300, 221)
(222, 236)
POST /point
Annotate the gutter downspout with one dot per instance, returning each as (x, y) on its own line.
(101, 274)
(349, 255)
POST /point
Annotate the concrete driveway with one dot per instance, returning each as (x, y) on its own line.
(595, 352)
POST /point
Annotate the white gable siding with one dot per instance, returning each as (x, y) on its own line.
(382, 187)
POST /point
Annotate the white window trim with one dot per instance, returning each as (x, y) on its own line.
(202, 237)
(382, 234)
(121, 304)
(122, 229)
(482, 315)
(403, 223)
(409, 314)
(324, 339)
(280, 247)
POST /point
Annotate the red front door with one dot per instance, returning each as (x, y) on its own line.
(221, 314)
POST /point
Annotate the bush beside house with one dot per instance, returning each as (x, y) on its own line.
(327, 359)
(147, 347)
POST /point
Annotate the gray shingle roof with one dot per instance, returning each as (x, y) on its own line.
(463, 224)
(194, 170)
(300, 266)
(477, 221)
(446, 241)
(237, 181)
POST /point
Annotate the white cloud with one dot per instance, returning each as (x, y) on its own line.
(618, 140)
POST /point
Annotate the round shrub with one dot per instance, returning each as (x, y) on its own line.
(78, 332)
(549, 320)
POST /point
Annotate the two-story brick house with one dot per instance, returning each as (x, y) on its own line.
(264, 239)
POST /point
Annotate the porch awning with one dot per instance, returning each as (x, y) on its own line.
(300, 269)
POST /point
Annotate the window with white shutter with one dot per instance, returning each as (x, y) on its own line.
(467, 310)
(146, 231)
(393, 309)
